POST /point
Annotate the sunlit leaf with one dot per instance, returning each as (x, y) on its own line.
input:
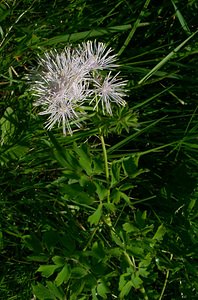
(47, 270)
(95, 217)
(63, 276)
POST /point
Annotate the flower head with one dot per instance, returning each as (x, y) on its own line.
(60, 88)
(109, 90)
(96, 56)
(67, 80)
(61, 111)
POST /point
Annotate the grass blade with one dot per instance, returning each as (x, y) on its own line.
(86, 34)
(131, 137)
(166, 59)
(181, 19)
(135, 26)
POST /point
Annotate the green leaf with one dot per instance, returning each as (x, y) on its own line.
(126, 289)
(102, 289)
(130, 165)
(97, 165)
(59, 152)
(123, 280)
(95, 217)
(115, 196)
(136, 281)
(72, 160)
(76, 193)
(117, 252)
(98, 250)
(78, 272)
(58, 260)
(47, 270)
(115, 173)
(6, 125)
(143, 272)
(101, 190)
(147, 229)
(87, 183)
(140, 218)
(146, 261)
(76, 288)
(63, 276)
(38, 258)
(83, 35)
(126, 187)
(94, 294)
(192, 204)
(128, 227)
(159, 233)
(42, 293)
(4, 12)
(135, 249)
(55, 291)
(84, 158)
(125, 197)
(50, 238)
(33, 243)
(110, 207)
(67, 241)
(117, 239)
(13, 153)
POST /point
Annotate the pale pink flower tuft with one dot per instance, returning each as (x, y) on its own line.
(96, 56)
(109, 90)
(67, 81)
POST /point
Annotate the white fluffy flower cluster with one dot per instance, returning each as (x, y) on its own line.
(74, 78)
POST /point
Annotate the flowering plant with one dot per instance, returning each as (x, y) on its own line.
(75, 78)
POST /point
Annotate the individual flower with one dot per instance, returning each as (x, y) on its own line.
(96, 56)
(109, 90)
(61, 112)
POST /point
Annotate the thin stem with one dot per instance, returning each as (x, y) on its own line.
(91, 238)
(166, 281)
(105, 157)
(106, 165)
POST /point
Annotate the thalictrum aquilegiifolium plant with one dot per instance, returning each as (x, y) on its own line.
(60, 238)
(78, 77)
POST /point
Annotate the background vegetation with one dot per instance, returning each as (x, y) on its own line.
(60, 237)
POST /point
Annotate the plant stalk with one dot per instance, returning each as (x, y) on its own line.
(106, 165)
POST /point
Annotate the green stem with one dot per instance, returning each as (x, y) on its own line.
(91, 238)
(105, 158)
(166, 281)
(106, 165)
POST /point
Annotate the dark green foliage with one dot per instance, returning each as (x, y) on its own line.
(70, 228)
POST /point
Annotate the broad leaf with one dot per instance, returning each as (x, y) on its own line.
(47, 270)
(63, 276)
(95, 217)
(42, 293)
